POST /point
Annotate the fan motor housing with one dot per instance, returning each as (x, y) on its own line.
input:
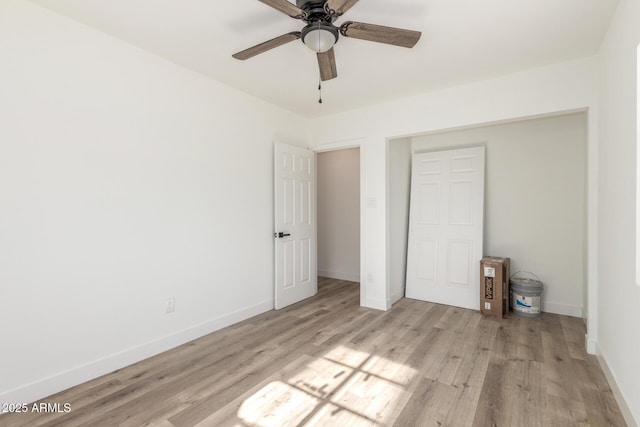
(314, 10)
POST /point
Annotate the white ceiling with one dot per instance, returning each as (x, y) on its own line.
(462, 41)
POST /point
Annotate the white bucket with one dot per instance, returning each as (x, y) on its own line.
(526, 295)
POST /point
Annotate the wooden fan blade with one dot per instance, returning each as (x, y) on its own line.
(285, 7)
(380, 34)
(268, 45)
(339, 7)
(327, 64)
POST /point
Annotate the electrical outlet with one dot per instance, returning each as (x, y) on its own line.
(170, 306)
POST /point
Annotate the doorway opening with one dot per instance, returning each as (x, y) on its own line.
(338, 215)
(535, 200)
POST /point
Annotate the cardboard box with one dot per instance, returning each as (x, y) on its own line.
(494, 286)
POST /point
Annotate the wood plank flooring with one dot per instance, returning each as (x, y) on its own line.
(328, 362)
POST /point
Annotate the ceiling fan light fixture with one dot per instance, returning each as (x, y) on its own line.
(320, 34)
(319, 37)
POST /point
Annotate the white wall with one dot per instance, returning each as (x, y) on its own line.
(339, 214)
(557, 88)
(124, 180)
(534, 199)
(619, 296)
(399, 189)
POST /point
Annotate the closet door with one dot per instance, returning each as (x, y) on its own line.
(445, 227)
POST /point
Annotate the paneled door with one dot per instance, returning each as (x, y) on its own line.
(445, 227)
(295, 224)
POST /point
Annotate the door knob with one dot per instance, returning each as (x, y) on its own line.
(280, 235)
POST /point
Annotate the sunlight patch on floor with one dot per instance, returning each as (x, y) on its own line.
(276, 405)
(343, 387)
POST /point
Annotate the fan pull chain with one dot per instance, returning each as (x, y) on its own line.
(320, 91)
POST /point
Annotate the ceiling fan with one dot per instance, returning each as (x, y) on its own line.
(320, 35)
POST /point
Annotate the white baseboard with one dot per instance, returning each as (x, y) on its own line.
(339, 275)
(611, 379)
(564, 309)
(591, 345)
(377, 304)
(395, 297)
(55, 383)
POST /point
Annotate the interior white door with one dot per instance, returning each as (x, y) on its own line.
(295, 224)
(445, 227)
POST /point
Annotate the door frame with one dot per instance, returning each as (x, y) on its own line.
(343, 145)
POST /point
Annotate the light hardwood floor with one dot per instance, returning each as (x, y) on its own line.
(328, 362)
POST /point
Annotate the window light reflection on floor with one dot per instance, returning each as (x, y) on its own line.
(344, 386)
